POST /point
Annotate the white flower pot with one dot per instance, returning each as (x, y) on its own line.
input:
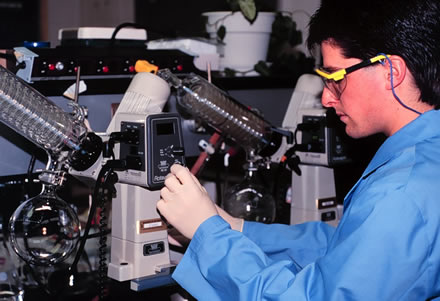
(244, 44)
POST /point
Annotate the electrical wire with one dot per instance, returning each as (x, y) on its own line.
(102, 181)
(123, 25)
(102, 269)
(392, 85)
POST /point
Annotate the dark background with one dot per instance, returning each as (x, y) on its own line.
(19, 21)
(180, 18)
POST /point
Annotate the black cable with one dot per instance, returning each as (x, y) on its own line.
(11, 58)
(295, 139)
(290, 158)
(87, 260)
(120, 26)
(92, 210)
(102, 270)
(105, 171)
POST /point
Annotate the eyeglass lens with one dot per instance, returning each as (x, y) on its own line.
(336, 87)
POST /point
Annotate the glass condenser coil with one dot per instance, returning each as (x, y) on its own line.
(223, 113)
(214, 107)
(35, 117)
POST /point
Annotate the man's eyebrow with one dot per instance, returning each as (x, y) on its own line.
(329, 69)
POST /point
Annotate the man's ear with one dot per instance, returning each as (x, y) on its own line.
(398, 69)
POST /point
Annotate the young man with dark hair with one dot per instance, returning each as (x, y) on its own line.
(381, 64)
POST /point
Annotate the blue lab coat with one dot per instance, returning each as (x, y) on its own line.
(386, 246)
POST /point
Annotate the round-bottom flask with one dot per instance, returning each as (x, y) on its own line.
(44, 230)
(250, 200)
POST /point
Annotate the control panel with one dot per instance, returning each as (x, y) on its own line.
(61, 63)
(165, 147)
(320, 143)
(154, 144)
(314, 136)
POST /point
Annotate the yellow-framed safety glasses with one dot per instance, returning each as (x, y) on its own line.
(336, 81)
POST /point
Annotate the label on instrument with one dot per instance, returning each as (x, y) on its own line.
(152, 225)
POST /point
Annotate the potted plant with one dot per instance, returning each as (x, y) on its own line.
(284, 58)
(242, 34)
(248, 36)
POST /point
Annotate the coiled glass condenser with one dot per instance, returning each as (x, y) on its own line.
(35, 117)
(229, 117)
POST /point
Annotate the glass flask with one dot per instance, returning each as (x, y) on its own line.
(250, 200)
(44, 230)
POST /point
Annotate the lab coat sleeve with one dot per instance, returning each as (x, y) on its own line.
(379, 254)
(303, 243)
(195, 276)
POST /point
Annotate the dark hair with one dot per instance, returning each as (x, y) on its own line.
(407, 28)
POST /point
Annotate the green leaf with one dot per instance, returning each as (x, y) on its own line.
(248, 9)
(221, 32)
(229, 72)
(262, 68)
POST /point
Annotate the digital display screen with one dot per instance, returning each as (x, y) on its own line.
(164, 128)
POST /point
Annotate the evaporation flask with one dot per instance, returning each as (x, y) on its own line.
(44, 230)
(250, 199)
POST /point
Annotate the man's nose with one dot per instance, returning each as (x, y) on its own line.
(328, 100)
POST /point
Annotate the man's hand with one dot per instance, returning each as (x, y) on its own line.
(184, 201)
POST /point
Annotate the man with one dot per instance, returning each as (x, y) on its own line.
(381, 64)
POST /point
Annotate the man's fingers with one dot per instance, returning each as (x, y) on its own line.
(165, 194)
(182, 173)
(160, 205)
(176, 167)
(171, 182)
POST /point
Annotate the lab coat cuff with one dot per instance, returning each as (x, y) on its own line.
(208, 227)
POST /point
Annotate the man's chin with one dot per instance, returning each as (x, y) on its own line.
(353, 133)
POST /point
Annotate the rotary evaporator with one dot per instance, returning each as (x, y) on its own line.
(126, 165)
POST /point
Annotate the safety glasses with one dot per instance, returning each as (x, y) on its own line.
(337, 81)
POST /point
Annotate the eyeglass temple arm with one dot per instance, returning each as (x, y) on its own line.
(340, 74)
(365, 63)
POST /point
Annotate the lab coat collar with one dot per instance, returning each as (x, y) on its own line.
(423, 127)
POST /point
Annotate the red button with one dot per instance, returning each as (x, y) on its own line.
(179, 67)
(131, 69)
(105, 69)
(51, 67)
